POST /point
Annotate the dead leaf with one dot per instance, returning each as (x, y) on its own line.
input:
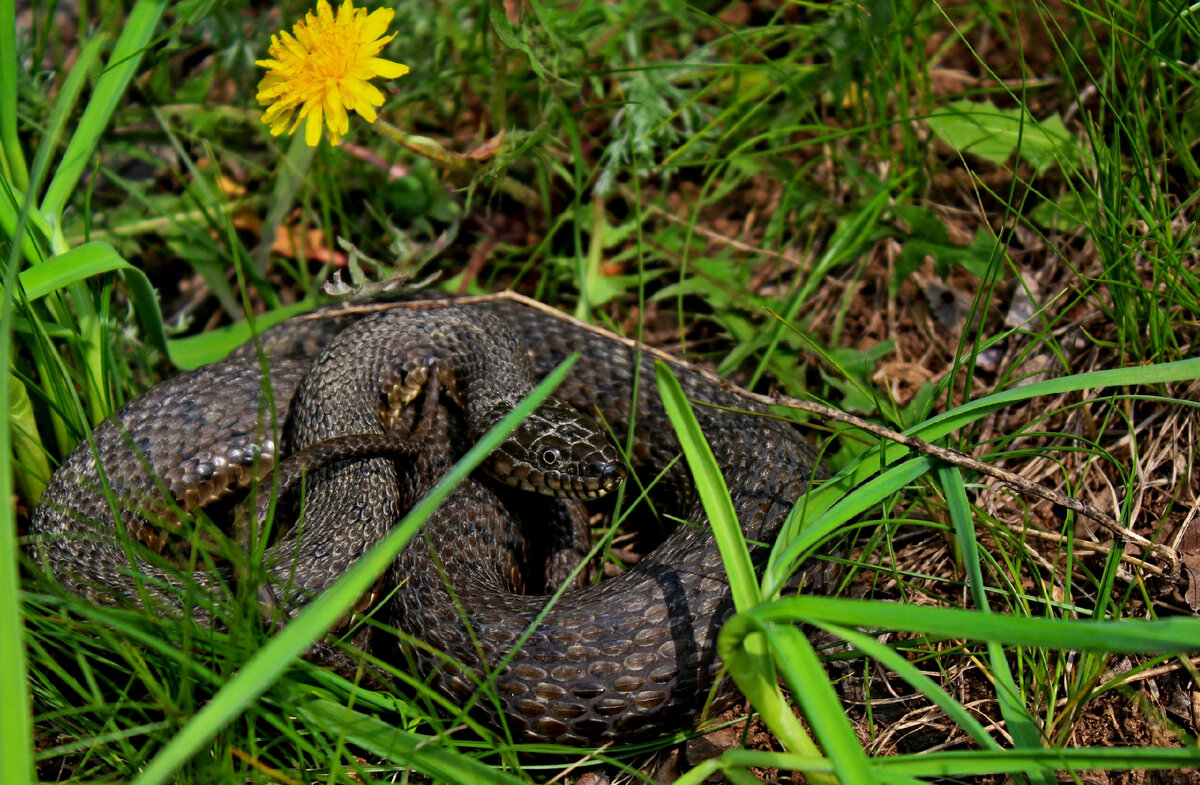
(1192, 595)
(314, 246)
(512, 9)
(486, 149)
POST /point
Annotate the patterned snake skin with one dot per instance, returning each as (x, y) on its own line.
(629, 658)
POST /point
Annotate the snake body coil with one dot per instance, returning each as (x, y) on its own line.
(629, 658)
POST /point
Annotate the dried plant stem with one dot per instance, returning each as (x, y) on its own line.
(1169, 556)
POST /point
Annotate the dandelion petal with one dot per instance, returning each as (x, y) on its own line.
(324, 67)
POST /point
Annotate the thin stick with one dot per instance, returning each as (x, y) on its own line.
(1169, 555)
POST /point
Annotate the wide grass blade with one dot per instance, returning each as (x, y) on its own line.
(210, 346)
(743, 652)
(68, 267)
(16, 740)
(261, 671)
(34, 244)
(16, 750)
(32, 467)
(834, 509)
(806, 678)
(1175, 635)
(12, 158)
(960, 416)
(1020, 723)
(958, 763)
(137, 31)
(61, 118)
(98, 258)
(714, 494)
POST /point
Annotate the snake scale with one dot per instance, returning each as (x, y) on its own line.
(629, 658)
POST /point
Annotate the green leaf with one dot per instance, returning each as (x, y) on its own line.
(983, 130)
(973, 258)
(890, 658)
(1068, 213)
(32, 467)
(62, 118)
(938, 766)
(99, 258)
(513, 39)
(806, 525)
(750, 655)
(806, 678)
(210, 346)
(16, 740)
(824, 510)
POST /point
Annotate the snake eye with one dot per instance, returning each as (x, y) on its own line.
(550, 456)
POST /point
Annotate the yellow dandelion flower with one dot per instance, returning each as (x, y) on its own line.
(324, 68)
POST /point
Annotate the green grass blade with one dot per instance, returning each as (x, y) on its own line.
(68, 270)
(806, 678)
(210, 346)
(34, 244)
(32, 468)
(890, 658)
(801, 532)
(261, 671)
(16, 741)
(12, 157)
(1020, 723)
(752, 651)
(961, 763)
(77, 264)
(16, 748)
(967, 763)
(422, 753)
(833, 508)
(744, 651)
(63, 114)
(948, 422)
(1175, 635)
(136, 32)
(712, 489)
(968, 544)
(1160, 373)
(98, 258)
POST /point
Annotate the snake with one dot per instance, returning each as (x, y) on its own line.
(629, 658)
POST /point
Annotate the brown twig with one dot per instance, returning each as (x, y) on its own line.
(1167, 554)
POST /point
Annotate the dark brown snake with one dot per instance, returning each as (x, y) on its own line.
(629, 658)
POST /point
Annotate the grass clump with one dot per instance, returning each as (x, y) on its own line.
(973, 221)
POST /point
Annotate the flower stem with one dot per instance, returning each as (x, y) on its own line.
(428, 148)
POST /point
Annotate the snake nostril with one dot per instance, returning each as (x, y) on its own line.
(612, 473)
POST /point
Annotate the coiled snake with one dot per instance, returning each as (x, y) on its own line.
(629, 658)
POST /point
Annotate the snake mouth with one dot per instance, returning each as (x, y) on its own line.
(607, 478)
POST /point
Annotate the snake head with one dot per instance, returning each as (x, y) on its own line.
(558, 451)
